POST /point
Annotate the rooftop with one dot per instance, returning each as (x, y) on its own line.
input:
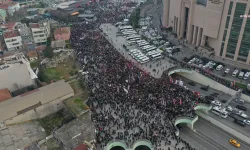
(45, 94)
(9, 25)
(32, 54)
(4, 94)
(16, 75)
(11, 34)
(63, 30)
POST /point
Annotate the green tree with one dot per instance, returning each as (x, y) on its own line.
(42, 76)
(81, 82)
(48, 52)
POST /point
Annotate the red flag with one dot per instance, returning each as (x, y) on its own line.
(180, 101)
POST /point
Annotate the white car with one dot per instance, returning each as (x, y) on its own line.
(217, 103)
(247, 122)
(229, 108)
(219, 67)
(227, 70)
(235, 73)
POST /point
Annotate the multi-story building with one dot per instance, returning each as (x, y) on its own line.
(223, 25)
(40, 32)
(2, 15)
(9, 6)
(12, 40)
(62, 33)
(26, 35)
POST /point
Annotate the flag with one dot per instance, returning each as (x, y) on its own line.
(180, 101)
(170, 79)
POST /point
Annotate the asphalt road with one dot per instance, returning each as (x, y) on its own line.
(222, 96)
(220, 137)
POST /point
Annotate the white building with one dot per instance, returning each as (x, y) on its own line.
(13, 40)
(40, 32)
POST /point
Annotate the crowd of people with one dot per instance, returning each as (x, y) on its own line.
(127, 103)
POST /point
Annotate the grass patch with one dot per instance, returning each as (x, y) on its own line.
(52, 144)
(77, 103)
(240, 85)
(34, 64)
(63, 70)
(76, 86)
(52, 122)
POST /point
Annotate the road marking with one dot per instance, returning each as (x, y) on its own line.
(222, 131)
(201, 138)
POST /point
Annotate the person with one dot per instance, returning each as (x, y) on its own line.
(126, 103)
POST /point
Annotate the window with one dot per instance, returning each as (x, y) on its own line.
(224, 36)
(227, 22)
(242, 59)
(236, 27)
(202, 2)
(221, 49)
(245, 42)
(230, 8)
(229, 55)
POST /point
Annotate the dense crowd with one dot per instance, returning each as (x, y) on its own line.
(126, 102)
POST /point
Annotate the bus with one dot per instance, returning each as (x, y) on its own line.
(152, 48)
(145, 47)
(156, 56)
(143, 44)
(217, 110)
(141, 41)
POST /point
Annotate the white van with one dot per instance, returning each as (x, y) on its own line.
(235, 73)
(246, 76)
(241, 75)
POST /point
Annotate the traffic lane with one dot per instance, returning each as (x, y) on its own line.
(218, 134)
(233, 103)
(195, 140)
(229, 121)
(197, 88)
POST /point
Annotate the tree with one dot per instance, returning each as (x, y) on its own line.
(48, 52)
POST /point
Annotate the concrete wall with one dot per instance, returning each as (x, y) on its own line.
(224, 127)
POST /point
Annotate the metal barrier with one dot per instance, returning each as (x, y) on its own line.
(179, 69)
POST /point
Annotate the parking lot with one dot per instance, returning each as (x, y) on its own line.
(153, 67)
(220, 69)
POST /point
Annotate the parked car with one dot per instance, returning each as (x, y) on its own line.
(192, 83)
(227, 71)
(217, 103)
(241, 75)
(247, 122)
(240, 122)
(210, 98)
(229, 108)
(241, 107)
(235, 73)
(219, 67)
(205, 88)
(241, 101)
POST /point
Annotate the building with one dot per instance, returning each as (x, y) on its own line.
(35, 104)
(62, 33)
(13, 40)
(220, 25)
(32, 55)
(5, 94)
(9, 6)
(3, 15)
(27, 37)
(40, 32)
(18, 73)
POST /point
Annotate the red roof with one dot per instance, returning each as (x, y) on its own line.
(4, 95)
(10, 25)
(34, 25)
(81, 147)
(63, 30)
(11, 34)
(6, 4)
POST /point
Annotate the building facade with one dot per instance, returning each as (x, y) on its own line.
(40, 32)
(221, 25)
(13, 40)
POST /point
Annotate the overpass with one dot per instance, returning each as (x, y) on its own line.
(204, 80)
(120, 143)
(190, 121)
